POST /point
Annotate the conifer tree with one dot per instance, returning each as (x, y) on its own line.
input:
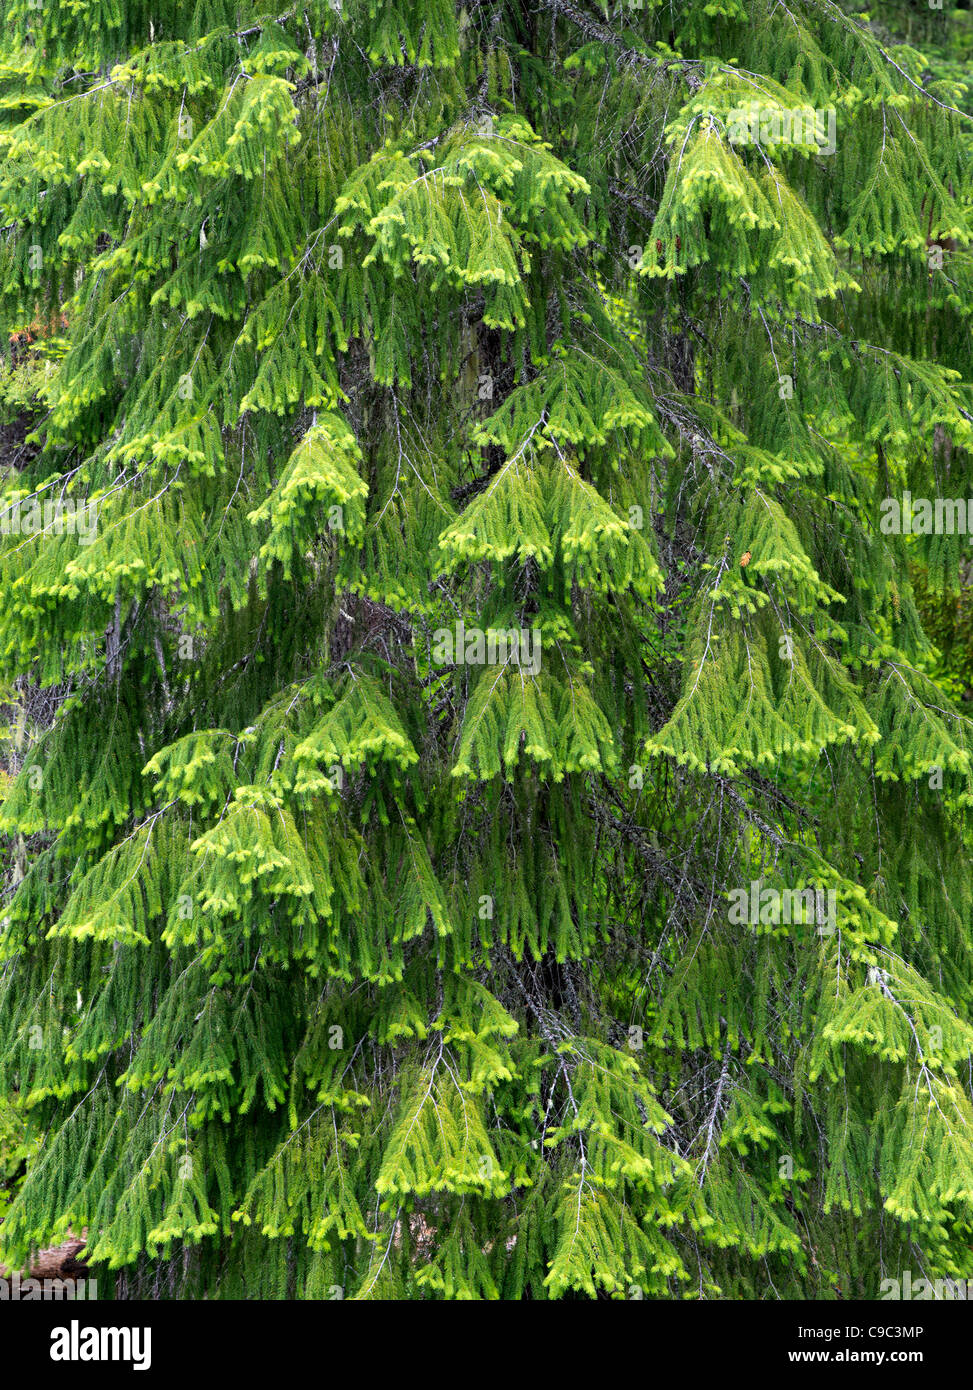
(449, 538)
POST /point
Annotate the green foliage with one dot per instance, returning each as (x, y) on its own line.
(341, 952)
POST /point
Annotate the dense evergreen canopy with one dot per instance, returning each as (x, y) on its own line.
(349, 947)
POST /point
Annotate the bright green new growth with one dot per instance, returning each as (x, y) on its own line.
(329, 966)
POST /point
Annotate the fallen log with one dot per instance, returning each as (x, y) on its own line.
(61, 1262)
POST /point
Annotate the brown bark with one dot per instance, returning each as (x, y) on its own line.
(57, 1262)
